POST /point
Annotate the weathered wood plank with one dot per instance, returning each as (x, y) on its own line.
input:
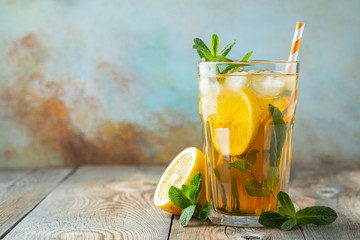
(104, 202)
(263, 233)
(197, 229)
(337, 188)
(8, 176)
(22, 190)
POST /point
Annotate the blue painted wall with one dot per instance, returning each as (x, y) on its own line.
(115, 81)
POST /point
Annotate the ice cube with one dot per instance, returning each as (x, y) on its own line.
(208, 106)
(236, 82)
(206, 68)
(208, 87)
(267, 86)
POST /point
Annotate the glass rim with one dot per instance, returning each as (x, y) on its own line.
(255, 61)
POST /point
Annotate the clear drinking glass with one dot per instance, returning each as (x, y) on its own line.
(247, 112)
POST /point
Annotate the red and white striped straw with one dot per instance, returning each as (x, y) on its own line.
(296, 41)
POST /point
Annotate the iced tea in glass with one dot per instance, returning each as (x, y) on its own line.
(247, 112)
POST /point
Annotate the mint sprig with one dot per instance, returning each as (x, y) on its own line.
(287, 218)
(213, 55)
(278, 135)
(187, 198)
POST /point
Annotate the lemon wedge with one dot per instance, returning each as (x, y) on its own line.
(180, 171)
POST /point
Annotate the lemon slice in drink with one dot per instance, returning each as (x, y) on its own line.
(235, 125)
(180, 171)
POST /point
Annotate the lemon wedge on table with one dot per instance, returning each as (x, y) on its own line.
(235, 125)
(180, 171)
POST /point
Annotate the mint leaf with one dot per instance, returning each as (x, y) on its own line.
(223, 59)
(255, 189)
(287, 92)
(209, 57)
(223, 192)
(235, 193)
(178, 198)
(318, 215)
(186, 215)
(200, 48)
(217, 174)
(212, 55)
(188, 200)
(287, 218)
(271, 219)
(251, 157)
(197, 182)
(278, 135)
(196, 179)
(273, 177)
(224, 52)
(204, 212)
(240, 165)
(289, 224)
(232, 68)
(200, 43)
(246, 57)
(189, 192)
(223, 195)
(287, 207)
(214, 44)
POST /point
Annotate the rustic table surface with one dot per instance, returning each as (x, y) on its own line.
(115, 202)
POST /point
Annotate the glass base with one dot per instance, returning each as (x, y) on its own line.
(236, 221)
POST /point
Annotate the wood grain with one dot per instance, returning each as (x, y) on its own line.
(8, 176)
(22, 190)
(263, 233)
(115, 202)
(197, 229)
(99, 203)
(337, 188)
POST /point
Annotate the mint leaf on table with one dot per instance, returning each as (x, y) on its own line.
(204, 212)
(197, 182)
(189, 192)
(286, 206)
(287, 218)
(178, 198)
(318, 215)
(289, 224)
(186, 215)
(187, 198)
(271, 219)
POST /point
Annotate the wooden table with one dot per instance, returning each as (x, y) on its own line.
(115, 202)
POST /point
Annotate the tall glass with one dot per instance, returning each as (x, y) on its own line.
(247, 112)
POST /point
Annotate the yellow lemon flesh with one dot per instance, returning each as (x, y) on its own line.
(180, 171)
(235, 125)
